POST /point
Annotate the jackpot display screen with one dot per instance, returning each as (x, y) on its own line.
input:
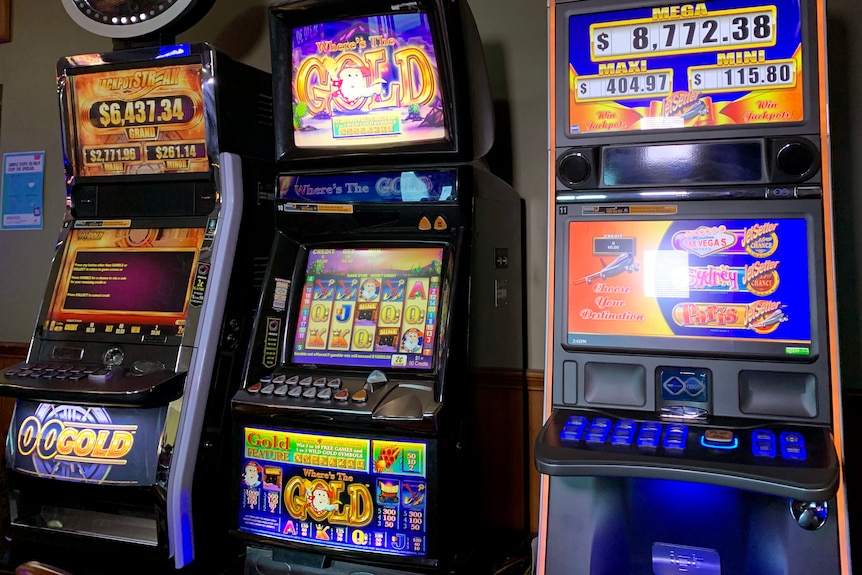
(718, 63)
(337, 492)
(719, 286)
(136, 282)
(370, 307)
(366, 82)
(138, 121)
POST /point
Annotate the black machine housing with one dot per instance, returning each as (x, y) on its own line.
(192, 373)
(432, 406)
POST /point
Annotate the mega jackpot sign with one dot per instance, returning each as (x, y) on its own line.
(139, 121)
(732, 286)
(339, 492)
(127, 281)
(719, 63)
(370, 307)
(366, 81)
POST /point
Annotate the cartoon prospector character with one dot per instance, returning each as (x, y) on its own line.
(349, 84)
(369, 290)
(318, 498)
(251, 474)
(411, 341)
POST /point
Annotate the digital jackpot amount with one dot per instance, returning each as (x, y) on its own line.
(694, 65)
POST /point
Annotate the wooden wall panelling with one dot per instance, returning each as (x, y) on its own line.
(10, 354)
(508, 420)
(535, 406)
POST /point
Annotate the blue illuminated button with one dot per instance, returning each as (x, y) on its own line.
(675, 437)
(599, 430)
(574, 428)
(624, 433)
(792, 445)
(763, 443)
(649, 435)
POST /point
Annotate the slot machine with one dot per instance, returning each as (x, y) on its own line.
(692, 402)
(395, 272)
(115, 442)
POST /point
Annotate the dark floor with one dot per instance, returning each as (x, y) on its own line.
(507, 554)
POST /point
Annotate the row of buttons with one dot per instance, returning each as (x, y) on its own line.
(625, 433)
(307, 387)
(622, 433)
(790, 443)
(58, 371)
(310, 388)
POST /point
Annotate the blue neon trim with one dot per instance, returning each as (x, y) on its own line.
(712, 446)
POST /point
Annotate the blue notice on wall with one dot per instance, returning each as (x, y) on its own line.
(21, 194)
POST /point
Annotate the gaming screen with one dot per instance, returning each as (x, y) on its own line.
(138, 121)
(337, 492)
(127, 282)
(719, 63)
(709, 285)
(370, 307)
(366, 82)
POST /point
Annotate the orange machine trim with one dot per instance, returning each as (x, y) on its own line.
(831, 289)
(549, 321)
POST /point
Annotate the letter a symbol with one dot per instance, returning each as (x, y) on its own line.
(418, 288)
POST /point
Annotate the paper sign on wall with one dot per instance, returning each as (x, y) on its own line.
(21, 194)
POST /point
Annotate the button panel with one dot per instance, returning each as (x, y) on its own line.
(760, 446)
(60, 371)
(317, 392)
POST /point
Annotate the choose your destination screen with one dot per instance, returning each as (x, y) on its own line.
(710, 281)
